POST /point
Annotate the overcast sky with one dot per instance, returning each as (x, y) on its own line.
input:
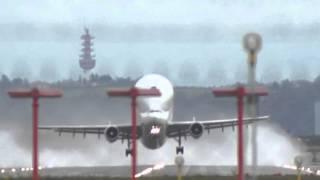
(161, 11)
(295, 21)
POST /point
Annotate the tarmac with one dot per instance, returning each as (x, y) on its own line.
(170, 170)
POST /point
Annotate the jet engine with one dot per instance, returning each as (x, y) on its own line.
(196, 130)
(111, 133)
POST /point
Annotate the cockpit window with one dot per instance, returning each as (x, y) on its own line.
(152, 110)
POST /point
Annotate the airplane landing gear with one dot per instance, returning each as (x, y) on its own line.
(129, 149)
(179, 149)
(128, 152)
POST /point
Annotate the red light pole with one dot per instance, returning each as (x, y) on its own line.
(240, 93)
(35, 94)
(133, 93)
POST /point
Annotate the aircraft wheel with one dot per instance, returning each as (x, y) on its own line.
(179, 149)
(128, 152)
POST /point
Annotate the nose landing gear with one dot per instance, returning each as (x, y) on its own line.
(179, 148)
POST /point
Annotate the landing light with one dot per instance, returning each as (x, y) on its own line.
(146, 171)
(179, 161)
(158, 166)
(155, 130)
(149, 170)
(252, 42)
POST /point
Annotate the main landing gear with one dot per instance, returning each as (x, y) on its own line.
(129, 149)
(179, 149)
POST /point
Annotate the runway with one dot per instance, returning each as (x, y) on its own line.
(124, 171)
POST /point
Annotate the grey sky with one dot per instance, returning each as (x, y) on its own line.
(161, 11)
(40, 31)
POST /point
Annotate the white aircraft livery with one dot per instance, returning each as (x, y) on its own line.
(155, 123)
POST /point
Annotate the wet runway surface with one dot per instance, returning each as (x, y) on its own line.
(171, 170)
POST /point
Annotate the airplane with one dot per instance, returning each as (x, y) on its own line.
(155, 123)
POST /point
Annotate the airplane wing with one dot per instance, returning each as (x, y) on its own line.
(182, 128)
(124, 130)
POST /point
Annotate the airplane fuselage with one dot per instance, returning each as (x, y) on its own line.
(155, 112)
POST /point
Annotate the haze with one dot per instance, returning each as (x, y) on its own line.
(144, 34)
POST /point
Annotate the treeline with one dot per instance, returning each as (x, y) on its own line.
(91, 80)
(291, 104)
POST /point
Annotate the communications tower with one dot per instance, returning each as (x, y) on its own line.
(87, 61)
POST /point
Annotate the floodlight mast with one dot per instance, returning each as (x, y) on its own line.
(134, 93)
(240, 92)
(35, 94)
(252, 43)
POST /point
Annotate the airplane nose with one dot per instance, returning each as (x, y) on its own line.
(153, 133)
(155, 130)
(153, 126)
